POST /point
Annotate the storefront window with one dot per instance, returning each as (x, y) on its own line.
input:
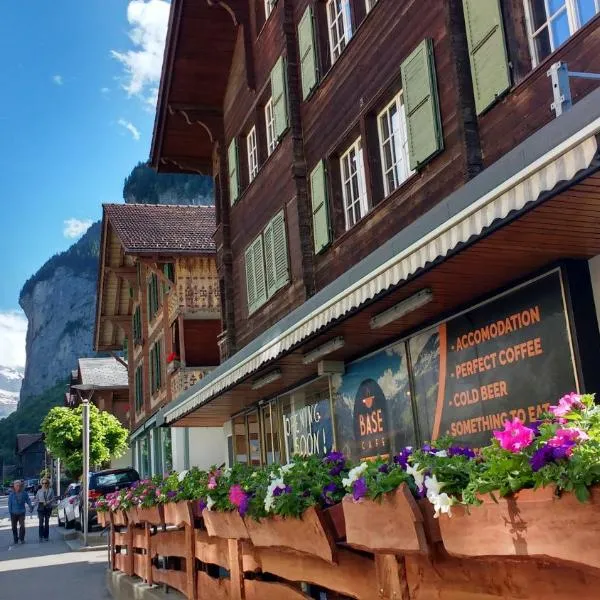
(307, 421)
(254, 438)
(167, 450)
(144, 454)
(240, 440)
(271, 433)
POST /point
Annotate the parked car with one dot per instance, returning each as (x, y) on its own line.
(66, 506)
(100, 484)
(32, 485)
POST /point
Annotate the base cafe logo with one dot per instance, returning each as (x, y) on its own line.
(371, 427)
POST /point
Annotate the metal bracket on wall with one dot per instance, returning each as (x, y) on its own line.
(561, 89)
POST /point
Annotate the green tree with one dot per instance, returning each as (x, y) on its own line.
(64, 435)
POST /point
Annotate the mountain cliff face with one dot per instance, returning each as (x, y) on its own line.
(59, 302)
(10, 386)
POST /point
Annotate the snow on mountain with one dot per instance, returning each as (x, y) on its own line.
(10, 386)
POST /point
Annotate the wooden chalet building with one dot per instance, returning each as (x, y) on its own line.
(158, 301)
(407, 236)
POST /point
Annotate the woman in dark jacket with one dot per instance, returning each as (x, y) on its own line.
(45, 500)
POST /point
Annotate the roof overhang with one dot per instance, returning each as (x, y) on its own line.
(198, 54)
(517, 216)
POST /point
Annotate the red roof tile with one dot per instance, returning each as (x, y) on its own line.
(145, 228)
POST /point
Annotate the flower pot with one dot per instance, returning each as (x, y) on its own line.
(153, 515)
(335, 521)
(225, 524)
(119, 518)
(178, 513)
(392, 524)
(530, 523)
(103, 519)
(430, 523)
(132, 515)
(310, 534)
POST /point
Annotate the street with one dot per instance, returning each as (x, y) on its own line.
(48, 570)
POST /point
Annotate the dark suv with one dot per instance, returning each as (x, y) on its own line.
(100, 484)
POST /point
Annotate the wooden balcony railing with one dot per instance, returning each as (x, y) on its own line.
(183, 378)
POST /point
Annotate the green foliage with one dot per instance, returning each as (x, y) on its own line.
(145, 186)
(63, 428)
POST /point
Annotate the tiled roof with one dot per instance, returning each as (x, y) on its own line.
(163, 228)
(103, 372)
(24, 440)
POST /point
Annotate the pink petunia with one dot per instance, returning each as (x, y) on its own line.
(212, 484)
(566, 404)
(515, 436)
(568, 436)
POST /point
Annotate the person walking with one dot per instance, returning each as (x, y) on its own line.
(17, 501)
(44, 499)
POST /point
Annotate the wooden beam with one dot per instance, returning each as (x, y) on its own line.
(127, 273)
(119, 359)
(123, 321)
(189, 164)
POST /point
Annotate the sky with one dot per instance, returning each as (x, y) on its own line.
(79, 80)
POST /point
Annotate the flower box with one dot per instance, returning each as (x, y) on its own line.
(430, 523)
(119, 518)
(153, 515)
(530, 523)
(335, 521)
(393, 524)
(310, 534)
(225, 524)
(178, 513)
(103, 519)
(173, 366)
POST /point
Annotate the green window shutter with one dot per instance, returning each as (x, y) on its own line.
(280, 253)
(279, 95)
(421, 103)
(158, 365)
(308, 55)
(258, 260)
(487, 51)
(320, 207)
(125, 349)
(232, 160)
(269, 250)
(250, 283)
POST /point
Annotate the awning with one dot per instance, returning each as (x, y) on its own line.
(554, 155)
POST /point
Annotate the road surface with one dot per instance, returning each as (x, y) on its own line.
(49, 570)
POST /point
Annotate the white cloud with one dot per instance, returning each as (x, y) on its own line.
(13, 329)
(390, 383)
(76, 227)
(57, 79)
(148, 20)
(135, 133)
(104, 91)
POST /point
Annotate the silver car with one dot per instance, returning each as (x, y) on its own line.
(66, 506)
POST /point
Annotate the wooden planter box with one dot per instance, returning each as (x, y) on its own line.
(103, 519)
(530, 523)
(335, 521)
(310, 534)
(178, 513)
(392, 525)
(119, 518)
(225, 524)
(153, 515)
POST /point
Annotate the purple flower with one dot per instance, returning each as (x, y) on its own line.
(171, 494)
(336, 470)
(201, 505)
(335, 457)
(384, 468)
(359, 489)
(402, 457)
(535, 425)
(428, 449)
(328, 490)
(459, 451)
(278, 491)
(547, 454)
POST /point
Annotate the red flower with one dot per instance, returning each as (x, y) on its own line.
(172, 357)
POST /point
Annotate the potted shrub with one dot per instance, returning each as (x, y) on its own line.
(176, 506)
(535, 491)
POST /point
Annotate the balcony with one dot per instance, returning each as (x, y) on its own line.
(183, 378)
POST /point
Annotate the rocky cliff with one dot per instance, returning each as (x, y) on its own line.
(10, 386)
(59, 302)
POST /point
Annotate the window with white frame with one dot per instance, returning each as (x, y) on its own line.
(252, 151)
(393, 143)
(354, 188)
(370, 4)
(339, 26)
(553, 22)
(270, 125)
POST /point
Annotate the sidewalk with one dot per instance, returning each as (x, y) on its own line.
(49, 570)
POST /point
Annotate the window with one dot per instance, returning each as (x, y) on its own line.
(553, 22)
(370, 4)
(137, 326)
(154, 296)
(155, 367)
(269, 5)
(139, 389)
(252, 150)
(270, 125)
(267, 263)
(339, 25)
(353, 184)
(393, 142)
(271, 427)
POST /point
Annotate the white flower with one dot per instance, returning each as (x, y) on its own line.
(285, 468)
(209, 503)
(353, 475)
(270, 496)
(182, 475)
(433, 486)
(416, 475)
(441, 503)
(441, 454)
(226, 472)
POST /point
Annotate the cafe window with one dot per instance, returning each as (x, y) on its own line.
(246, 439)
(271, 428)
(553, 22)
